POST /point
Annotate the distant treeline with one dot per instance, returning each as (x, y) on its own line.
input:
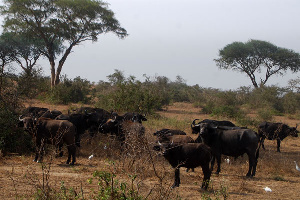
(123, 94)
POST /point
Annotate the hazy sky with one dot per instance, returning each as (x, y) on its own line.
(176, 37)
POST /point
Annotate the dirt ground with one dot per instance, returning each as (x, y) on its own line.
(20, 178)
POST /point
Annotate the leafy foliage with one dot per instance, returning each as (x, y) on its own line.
(111, 188)
(12, 138)
(69, 91)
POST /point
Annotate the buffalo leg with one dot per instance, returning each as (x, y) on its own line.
(39, 151)
(212, 163)
(252, 164)
(219, 164)
(59, 152)
(278, 145)
(262, 142)
(206, 172)
(177, 178)
(71, 154)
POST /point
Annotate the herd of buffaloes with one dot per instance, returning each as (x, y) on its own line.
(215, 138)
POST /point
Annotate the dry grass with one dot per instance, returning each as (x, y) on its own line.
(19, 176)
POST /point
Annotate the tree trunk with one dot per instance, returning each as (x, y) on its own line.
(52, 65)
(61, 63)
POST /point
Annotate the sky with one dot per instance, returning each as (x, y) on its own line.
(175, 37)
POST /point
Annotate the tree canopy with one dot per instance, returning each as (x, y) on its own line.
(256, 56)
(60, 25)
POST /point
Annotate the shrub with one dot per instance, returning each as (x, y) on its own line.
(265, 114)
(111, 188)
(226, 111)
(291, 102)
(135, 96)
(12, 138)
(70, 91)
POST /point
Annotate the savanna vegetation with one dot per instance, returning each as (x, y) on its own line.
(137, 172)
(123, 176)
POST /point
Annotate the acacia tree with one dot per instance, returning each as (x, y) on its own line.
(255, 56)
(61, 25)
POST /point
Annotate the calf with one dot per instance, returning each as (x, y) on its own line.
(275, 131)
(188, 155)
(234, 143)
(168, 132)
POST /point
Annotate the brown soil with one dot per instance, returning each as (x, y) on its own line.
(20, 177)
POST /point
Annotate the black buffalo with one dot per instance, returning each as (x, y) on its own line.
(135, 117)
(52, 114)
(231, 143)
(190, 155)
(196, 127)
(168, 132)
(122, 128)
(80, 121)
(275, 131)
(55, 132)
(33, 111)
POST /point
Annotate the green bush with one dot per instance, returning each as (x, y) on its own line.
(32, 84)
(135, 96)
(265, 114)
(70, 91)
(111, 188)
(228, 111)
(12, 138)
(291, 102)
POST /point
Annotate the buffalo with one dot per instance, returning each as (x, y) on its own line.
(275, 131)
(135, 117)
(189, 155)
(234, 143)
(172, 136)
(51, 114)
(168, 132)
(122, 128)
(55, 132)
(80, 121)
(196, 127)
(32, 111)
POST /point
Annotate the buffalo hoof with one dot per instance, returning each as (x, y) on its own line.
(174, 185)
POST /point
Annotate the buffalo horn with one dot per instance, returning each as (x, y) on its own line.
(20, 118)
(193, 123)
